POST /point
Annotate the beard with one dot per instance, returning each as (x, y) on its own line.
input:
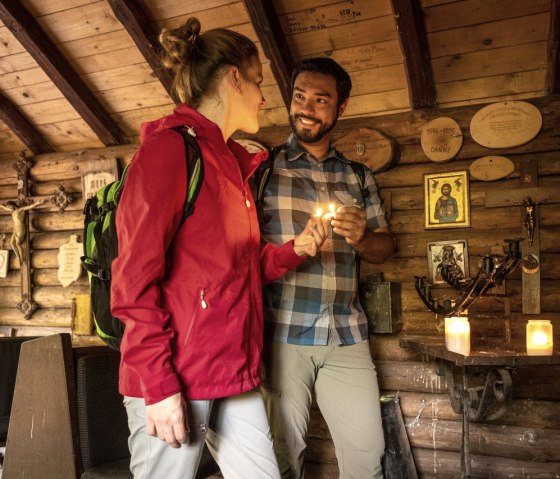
(307, 136)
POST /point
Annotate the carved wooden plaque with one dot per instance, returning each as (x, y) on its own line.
(370, 147)
(490, 168)
(69, 265)
(506, 124)
(441, 139)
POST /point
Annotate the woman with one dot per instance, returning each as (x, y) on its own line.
(190, 297)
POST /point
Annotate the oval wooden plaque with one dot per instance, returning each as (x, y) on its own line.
(506, 124)
(441, 139)
(490, 168)
(370, 147)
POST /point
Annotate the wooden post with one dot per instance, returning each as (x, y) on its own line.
(528, 196)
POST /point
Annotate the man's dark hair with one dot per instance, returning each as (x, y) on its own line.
(326, 66)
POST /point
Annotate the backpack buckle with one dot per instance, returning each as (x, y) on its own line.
(104, 275)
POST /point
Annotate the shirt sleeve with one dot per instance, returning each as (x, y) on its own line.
(375, 212)
(276, 260)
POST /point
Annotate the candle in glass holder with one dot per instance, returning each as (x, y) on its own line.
(458, 335)
(539, 337)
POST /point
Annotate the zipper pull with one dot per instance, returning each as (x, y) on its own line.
(202, 301)
(247, 202)
(190, 131)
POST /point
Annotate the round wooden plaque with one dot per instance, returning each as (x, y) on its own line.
(490, 168)
(441, 139)
(506, 124)
(370, 147)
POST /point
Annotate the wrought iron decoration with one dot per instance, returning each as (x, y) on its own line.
(492, 272)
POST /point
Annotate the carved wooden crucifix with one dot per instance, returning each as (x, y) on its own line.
(529, 196)
(20, 241)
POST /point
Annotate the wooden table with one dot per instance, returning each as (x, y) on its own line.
(473, 402)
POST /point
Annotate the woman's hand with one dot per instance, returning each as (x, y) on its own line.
(167, 420)
(312, 237)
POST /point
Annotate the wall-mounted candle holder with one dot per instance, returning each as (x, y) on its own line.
(492, 272)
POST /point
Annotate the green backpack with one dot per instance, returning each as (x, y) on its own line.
(101, 245)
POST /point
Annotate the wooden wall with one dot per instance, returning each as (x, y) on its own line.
(523, 443)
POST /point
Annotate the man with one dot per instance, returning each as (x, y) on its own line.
(446, 210)
(316, 331)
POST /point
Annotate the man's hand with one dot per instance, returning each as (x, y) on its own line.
(312, 237)
(167, 420)
(350, 223)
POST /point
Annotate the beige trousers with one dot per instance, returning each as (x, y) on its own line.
(235, 429)
(344, 382)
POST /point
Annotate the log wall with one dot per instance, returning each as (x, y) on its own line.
(523, 443)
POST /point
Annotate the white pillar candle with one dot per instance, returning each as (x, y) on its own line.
(539, 337)
(458, 335)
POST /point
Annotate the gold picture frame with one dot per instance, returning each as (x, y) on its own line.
(446, 200)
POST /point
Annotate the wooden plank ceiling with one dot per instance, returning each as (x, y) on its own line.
(84, 73)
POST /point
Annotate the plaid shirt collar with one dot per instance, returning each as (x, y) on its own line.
(295, 151)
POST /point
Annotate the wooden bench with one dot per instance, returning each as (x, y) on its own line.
(68, 419)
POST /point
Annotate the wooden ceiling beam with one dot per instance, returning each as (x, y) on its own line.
(21, 126)
(135, 19)
(414, 45)
(269, 32)
(552, 82)
(37, 43)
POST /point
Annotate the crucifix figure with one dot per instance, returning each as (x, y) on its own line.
(20, 228)
(529, 215)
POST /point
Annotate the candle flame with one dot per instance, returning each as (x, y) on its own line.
(539, 338)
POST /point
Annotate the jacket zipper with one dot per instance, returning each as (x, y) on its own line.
(203, 302)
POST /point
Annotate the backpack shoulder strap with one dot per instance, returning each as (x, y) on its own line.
(360, 172)
(195, 170)
(263, 174)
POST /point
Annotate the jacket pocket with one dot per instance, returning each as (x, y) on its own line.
(200, 305)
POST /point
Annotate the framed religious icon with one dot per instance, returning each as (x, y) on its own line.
(446, 200)
(451, 253)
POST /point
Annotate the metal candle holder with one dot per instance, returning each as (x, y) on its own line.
(492, 272)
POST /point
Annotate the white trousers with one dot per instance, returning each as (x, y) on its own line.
(235, 429)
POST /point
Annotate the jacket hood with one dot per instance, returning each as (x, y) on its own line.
(206, 131)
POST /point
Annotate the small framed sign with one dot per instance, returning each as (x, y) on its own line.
(96, 174)
(4, 260)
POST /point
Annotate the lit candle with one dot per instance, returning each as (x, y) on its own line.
(539, 337)
(458, 335)
(330, 214)
(318, 213)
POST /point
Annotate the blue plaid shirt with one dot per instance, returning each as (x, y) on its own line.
(322, 294)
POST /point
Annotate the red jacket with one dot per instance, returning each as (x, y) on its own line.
(191, 300)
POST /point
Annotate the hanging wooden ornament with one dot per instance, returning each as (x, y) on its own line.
(370, 147)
